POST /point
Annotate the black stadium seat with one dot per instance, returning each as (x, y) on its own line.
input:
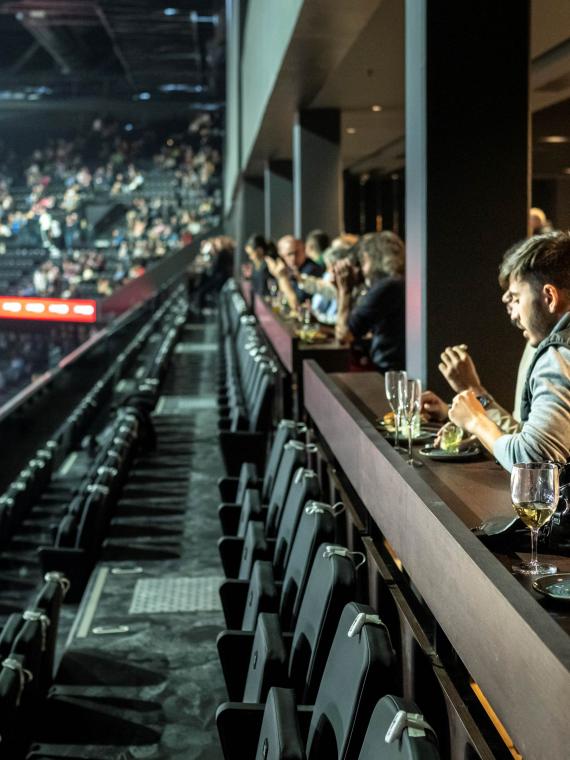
(359, 668)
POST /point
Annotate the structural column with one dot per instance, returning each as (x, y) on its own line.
(317, 176)
(249, 215)
(467, 181)
(278, 191)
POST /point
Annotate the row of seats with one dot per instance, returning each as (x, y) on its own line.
(27, 654)
(55, 520)
(246, 383)
(310, 669)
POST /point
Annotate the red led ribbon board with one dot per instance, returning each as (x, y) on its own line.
(48, 309)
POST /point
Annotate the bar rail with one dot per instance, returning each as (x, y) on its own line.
(514, 649)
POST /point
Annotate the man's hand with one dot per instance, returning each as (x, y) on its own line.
(459, 370)
(434, 407)
(467, 411)
(344, 275)
(277, 267)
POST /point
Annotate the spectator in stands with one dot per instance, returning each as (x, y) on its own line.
(381, 311)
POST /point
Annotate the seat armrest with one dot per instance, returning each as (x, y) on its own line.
(229, 515)
(234, 649)
(239, 726)
(230, 548)
(228, 488)
(233, 595)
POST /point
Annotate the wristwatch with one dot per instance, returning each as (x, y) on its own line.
(485, 400)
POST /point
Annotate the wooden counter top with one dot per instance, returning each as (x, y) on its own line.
(515, 647)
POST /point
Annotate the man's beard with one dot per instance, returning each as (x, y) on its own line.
(540, 323)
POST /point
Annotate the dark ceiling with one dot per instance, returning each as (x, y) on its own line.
(138, 50)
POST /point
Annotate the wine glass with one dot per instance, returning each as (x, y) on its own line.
(410, 399)
(535, 491)
(392, 381)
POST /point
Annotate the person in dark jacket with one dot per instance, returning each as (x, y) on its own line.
(381, 312)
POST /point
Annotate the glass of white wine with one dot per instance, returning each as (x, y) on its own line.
(392, 381)
(535, 491)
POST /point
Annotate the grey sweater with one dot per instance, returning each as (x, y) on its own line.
(546, 432)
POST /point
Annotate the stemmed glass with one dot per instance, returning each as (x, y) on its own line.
(392, 382)
(410, 400)
(535, 491)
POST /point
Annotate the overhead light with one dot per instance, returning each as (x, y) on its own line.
(183, 87)
(143, 96)
(555, 139)
(170, 11)
(196, 18)
(170, 142)
(129, 127)
(566, 170)
(376, 108)
(350, 131)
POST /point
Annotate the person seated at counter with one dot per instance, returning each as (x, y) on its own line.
(324, 300)
(458, 368)
(316, 244)
(288, 269)
(381, 311)
(258, 249)
(539, 292)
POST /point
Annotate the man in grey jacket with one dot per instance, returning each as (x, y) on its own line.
(539, 289)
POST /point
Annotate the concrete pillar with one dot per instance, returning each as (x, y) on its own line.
(317, 172)
(278, 191)
(467, 181)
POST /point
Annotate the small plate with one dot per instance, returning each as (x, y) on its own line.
(423, 437)
(554, 586)
(431, 452)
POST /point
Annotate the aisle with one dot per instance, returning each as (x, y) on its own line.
(141, 668)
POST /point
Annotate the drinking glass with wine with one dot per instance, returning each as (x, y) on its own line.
(535, 491)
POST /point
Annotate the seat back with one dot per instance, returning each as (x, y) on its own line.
(261, 594)
(331, 585)
(361, 665)
(255, 547)
(294, 456)
(250, 510)
(285, 743)
(304, 489)
(409, 738)
(268, 661)
(286, 430)
(316, 526)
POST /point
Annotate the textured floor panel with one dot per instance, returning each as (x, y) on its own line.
(163, 595)
(179, 405)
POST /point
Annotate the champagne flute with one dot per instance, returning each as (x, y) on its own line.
(392, 381)
(410, 395)
(535, 491)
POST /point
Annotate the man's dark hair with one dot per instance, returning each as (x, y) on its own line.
(257, 240)
(319, 239)
(539, 260)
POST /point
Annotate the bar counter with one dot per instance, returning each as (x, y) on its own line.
(291, 351)
(514, 643)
